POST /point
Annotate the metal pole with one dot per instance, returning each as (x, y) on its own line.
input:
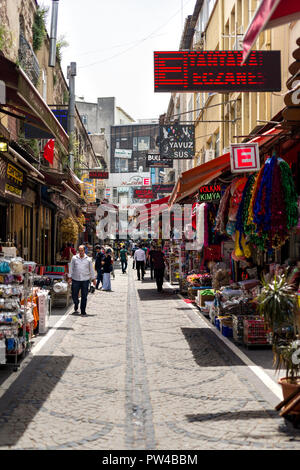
(53, 34)
(71, 114)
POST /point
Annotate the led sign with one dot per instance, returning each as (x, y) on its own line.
(216, 71)
(210, 193)
(101, 175)
(143, 193)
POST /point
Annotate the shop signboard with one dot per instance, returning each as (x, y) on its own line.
(14, 184)
(244, 158)
(177, 141)
(216, 71)
(123, 153)
(143, 193)
(107, 192)
(162, 188)
(101, 175)
(154, 160)
(210, 193)
(146, 182)
(89, 188)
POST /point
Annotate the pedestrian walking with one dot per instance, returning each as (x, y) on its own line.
(140, 260)
(150, 259)
(81, 273)
(111, 252)
(158, 259)
(124, 258)
(100, 255)
(107, 269)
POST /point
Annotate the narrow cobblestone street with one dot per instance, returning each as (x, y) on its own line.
(141, 371)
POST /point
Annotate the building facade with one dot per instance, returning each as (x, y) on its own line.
(224, 118)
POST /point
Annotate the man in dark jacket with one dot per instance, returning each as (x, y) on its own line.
(98, 265)
(158, 259)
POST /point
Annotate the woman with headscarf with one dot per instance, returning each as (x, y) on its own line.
(107, 269)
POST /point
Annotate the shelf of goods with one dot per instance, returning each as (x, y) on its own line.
(234, 314)
(54, 279)
(16, 310)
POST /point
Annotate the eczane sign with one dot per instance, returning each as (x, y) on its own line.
(244, 158)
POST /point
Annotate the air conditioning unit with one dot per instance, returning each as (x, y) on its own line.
(209, 155)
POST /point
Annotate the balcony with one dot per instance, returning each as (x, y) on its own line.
(28, 60)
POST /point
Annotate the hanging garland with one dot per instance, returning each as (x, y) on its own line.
(290, 194)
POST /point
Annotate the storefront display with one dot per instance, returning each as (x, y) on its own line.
(16, 313)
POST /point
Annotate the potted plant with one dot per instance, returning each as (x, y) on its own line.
(277, 304)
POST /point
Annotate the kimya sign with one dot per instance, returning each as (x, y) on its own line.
(244, 158)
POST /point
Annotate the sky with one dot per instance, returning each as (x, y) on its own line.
(112, 42)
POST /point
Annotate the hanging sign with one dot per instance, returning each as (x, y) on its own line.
(210, 193)
(177, 142)
(162, 188)
(244, 158)
(14, 181)
(216, 71)
(154, 160)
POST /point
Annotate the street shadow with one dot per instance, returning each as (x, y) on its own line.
(232, 416)
(208, 350)
(27, 395)
(152, 294)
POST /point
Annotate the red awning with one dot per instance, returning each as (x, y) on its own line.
(269, 14)
(153, 208)
(191, 180)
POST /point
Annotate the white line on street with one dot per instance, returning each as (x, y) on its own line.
(50, 333)
(13, 377)
(257, 370)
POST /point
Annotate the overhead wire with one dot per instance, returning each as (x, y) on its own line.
(140, 42)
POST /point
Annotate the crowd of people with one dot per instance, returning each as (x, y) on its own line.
(87, 274)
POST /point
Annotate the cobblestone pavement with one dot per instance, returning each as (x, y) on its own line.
(139, 372)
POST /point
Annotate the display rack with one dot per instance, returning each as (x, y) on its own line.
(16, 320)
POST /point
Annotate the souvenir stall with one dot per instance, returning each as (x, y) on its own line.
(17, 316)
(258, 212)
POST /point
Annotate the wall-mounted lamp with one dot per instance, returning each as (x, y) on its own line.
(3, 145)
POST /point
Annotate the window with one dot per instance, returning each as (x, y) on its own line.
(198, 104)
(134, 143)
(143, 143)
(217, 146)
(84, 119)
(121, 165)
(44, 85)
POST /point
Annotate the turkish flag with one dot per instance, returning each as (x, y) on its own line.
(49, 151)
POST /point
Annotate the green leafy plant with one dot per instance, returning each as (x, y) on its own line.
(288, 357)
(38, 28)
(277, 302)
(6, 40)
(60, 44)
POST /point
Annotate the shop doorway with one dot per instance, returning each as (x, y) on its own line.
(3, 222)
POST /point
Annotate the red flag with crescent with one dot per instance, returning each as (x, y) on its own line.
(49, 151)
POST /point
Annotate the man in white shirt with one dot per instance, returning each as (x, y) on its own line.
(81, 273)
(140, 260)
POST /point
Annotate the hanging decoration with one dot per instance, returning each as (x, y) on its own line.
(268, 209)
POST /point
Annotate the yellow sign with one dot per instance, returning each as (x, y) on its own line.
(14, 173)
(13, 190)
(89, 186)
